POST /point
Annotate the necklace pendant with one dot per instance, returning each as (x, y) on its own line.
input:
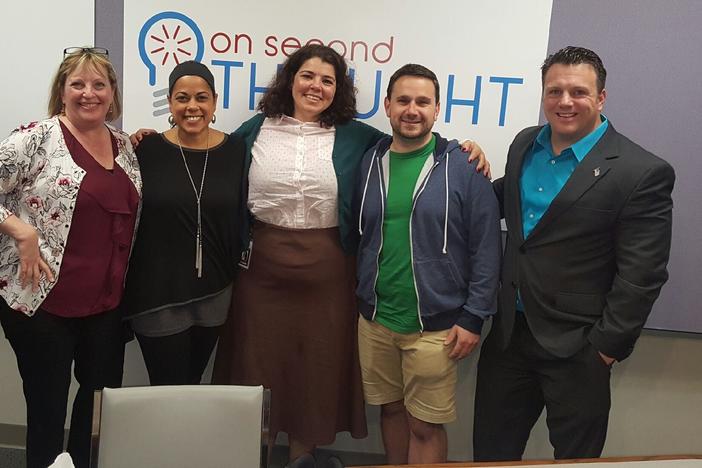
(198, 197)
(198, 256)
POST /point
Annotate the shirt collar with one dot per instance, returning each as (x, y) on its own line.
(288, 120)
(580, 148)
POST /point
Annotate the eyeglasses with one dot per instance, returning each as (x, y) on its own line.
(85, 50)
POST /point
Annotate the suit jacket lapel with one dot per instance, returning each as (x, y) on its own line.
(587, 173)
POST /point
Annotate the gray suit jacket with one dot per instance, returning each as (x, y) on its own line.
(596, 261)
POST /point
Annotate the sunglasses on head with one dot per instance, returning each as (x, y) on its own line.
(85, 50)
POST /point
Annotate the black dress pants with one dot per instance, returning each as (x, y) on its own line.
(514, 386)
(178, 359)
(46, 346)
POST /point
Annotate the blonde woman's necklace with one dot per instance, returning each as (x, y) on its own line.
(198, 197)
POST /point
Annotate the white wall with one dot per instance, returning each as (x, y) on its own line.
(32, 38)
(31, 56)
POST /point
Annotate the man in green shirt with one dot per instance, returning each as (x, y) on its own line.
(428, 268)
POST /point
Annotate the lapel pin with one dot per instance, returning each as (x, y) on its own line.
(596, 171)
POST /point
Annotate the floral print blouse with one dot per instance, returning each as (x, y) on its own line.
(39, 183)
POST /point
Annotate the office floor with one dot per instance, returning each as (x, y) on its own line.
(280, 454)
(11, 457)
(348, 458)
(14, 458)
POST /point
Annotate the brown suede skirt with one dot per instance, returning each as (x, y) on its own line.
(292, 328)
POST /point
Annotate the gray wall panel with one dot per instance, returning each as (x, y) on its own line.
(109, 33)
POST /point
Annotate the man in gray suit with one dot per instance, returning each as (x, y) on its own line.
(588, 216)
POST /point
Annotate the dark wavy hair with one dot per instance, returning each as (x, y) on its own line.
(278, 100)
(572, 55)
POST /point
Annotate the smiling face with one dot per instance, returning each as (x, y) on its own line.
(313, 89)
(412, 109)
(572, 104)
(192, 104)
(87, 96)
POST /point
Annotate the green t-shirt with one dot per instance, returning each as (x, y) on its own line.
(397, 298)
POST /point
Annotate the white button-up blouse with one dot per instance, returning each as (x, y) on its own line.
(291, 180)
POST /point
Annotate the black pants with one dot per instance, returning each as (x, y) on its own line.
(514, 385)
(178, 359)
(46, 346)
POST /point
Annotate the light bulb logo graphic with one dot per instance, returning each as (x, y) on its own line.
(168, 38)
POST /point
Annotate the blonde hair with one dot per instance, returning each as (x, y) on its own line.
(97, 62)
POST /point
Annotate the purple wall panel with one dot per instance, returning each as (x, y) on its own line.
(652, 52)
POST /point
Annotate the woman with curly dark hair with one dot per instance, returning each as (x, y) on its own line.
(292, 326)
(279, 100)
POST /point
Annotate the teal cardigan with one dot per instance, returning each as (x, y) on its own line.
(351, 141)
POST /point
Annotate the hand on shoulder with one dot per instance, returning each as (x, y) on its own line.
(139, 135)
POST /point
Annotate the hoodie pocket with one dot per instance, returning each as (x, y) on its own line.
(440, 286)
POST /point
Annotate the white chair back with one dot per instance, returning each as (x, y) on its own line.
(185, 426)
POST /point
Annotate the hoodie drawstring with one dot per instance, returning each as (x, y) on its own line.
(444, 248)
(446, 213)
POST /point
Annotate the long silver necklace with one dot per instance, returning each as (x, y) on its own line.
(198, 197)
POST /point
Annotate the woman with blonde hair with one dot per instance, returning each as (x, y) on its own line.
(70, 193)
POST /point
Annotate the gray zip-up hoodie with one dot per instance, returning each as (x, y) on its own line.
(454, 236)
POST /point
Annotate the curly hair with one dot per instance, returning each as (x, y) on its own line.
(278, 99)
(93, 61)
(572, 55)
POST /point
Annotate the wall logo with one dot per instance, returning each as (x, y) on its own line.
(167, 39)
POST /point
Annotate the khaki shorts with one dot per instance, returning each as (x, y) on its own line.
(414, 368)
